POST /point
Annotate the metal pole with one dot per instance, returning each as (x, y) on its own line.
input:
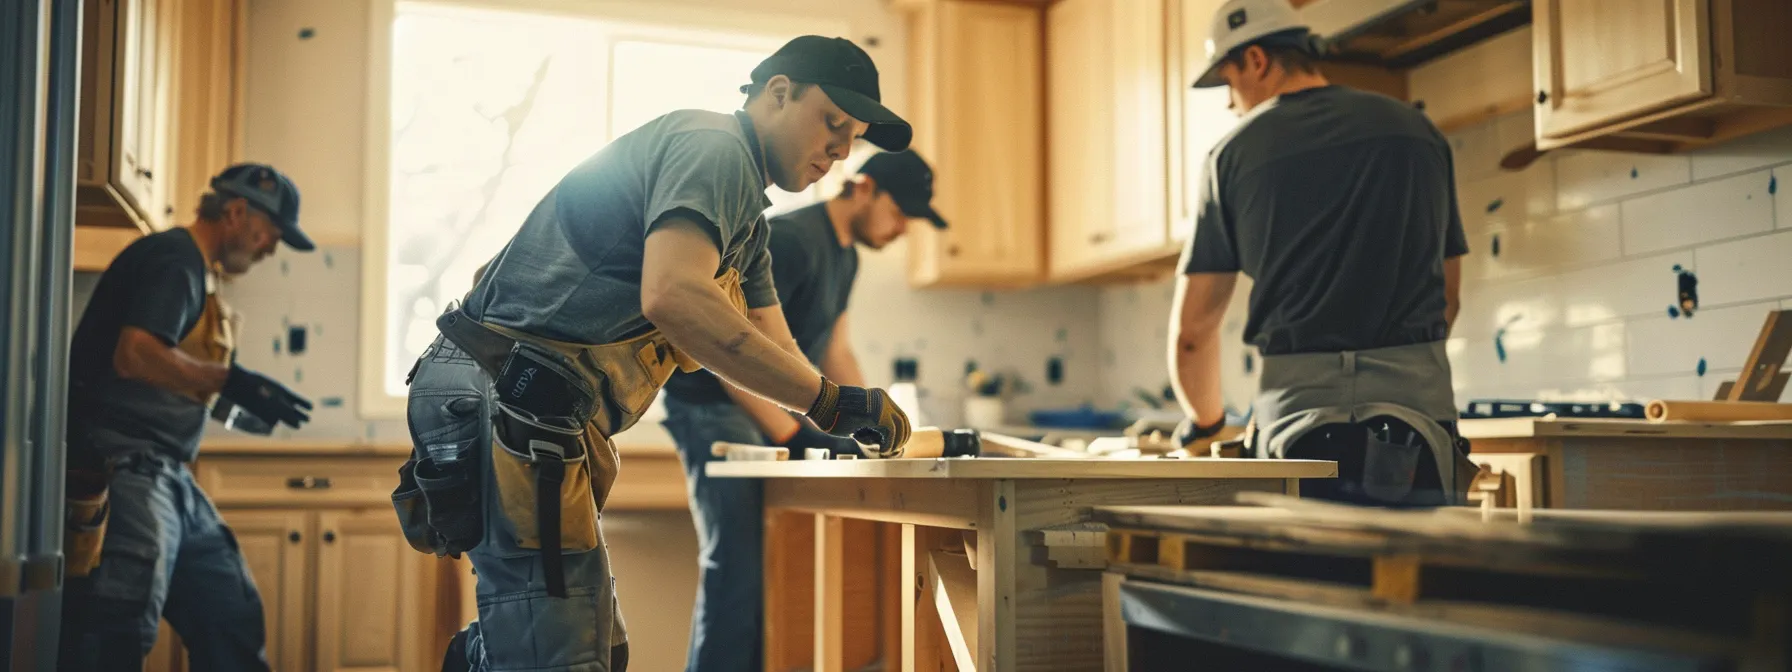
(21, 193)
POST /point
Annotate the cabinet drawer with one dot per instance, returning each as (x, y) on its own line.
(299, 481)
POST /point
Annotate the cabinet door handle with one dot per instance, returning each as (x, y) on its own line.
(951, 250)
(293, 536)
(308, 482)
(1542, 96)
(329, 536)
(146, 174)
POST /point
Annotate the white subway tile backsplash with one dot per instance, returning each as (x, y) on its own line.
(1587, 177)
(1476, 152)
(1726, 208)
(1743, 154)
(1637, 287)
(1529, 304)
(1722, 337)
(1574, 238)
(1782, 201)
(1751, 269)
(1506, 198)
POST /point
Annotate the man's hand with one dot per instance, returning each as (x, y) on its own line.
(265, 398)
(867, 415)
(806, 436)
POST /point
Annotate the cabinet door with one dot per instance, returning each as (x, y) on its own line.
(145, 32)
(1106, 131)
(983, 93)
(1599, 62)
(369, 603)
(1198, 117)
(207, 125)
(276, 546)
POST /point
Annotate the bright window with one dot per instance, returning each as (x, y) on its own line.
(489, 108)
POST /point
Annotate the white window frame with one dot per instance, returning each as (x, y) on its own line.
(644, 20)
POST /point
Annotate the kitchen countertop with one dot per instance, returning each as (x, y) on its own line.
(1026, 468)
(1520, 428)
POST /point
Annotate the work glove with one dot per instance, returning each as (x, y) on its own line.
(1187, 433)
(866, 415)
(807, 436)
(265, 398)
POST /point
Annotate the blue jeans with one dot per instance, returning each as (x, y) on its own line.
(727, 622)
(520, 626)
(165, 554)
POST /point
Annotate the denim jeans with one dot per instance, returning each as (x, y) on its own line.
(520, 626)
(727, 622)
(167, 554)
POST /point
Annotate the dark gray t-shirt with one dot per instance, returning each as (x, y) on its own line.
(814, 274)
(156, 284)
(573, 271)
(1341, 207)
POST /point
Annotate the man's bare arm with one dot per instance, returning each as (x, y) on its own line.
(1199, 307)
(1452, 291)
(679, 295)
(776, 423)
(839, 364)
(143, 356)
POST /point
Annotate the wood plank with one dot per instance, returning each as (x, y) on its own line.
(933, 503)
(998, 553)
(860, 588)
(955, 596)
(1011, 468)
(891, 581)
(829, 593)
(1764, 361)
(1683, 474)
(1395, 578)
(1113, 627)
(1509, 428)
(789, 590)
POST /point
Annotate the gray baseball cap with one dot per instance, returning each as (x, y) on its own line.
(272, 193)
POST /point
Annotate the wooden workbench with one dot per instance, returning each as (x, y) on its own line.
(1636, 465)
(996, 551)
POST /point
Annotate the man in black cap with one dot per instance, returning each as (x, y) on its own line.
(815, 261)
(154, 348)
(651, 256)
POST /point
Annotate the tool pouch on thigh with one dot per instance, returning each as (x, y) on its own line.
(438, 503)
(84, 529)
(540, 459)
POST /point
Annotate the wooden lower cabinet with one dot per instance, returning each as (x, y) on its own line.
(340, 587)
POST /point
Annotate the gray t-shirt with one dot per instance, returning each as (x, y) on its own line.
(573, 271)
(1341, 206)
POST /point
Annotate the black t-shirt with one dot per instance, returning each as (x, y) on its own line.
(813, 273)
(157, 284)
(1341, 206)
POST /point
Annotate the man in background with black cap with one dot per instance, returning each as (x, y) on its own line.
(649, 257)
(1341, 206)
(154, 348)
(814, 262)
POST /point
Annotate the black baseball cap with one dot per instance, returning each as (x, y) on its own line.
(270, 192)
(909, 181)
(845, 72)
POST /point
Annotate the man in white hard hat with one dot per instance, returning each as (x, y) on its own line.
(1341, 206)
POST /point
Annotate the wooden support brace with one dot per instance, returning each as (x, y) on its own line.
(1395, 578)
(955, 596)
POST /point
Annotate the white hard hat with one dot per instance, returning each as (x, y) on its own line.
(1240, 22)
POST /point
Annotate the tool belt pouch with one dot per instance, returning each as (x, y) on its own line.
(540, 458)
(413, 511)
(84, 530)
(439, 505)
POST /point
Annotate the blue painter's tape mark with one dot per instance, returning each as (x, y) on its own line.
(330, 402)
(276, 346)
(1494, 206)
(1773, 184)
(1673, 312)
(1495, 247)
(1499, 347)
(1633, 172)
(1002, 503)
(1250, 363)
(1677, 268)
(1701, 366)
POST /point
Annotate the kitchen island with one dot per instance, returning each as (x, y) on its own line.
(988, 562)
(1635, 465)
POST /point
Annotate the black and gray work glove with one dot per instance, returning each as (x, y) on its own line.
(1188, 432)
(867, 415)
(265, 398)
(807, 436)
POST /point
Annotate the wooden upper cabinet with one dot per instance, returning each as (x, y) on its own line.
(1199, 118)
(1597, 62)
(275, 545)
(124, 116)
(976, 71)
(369, 584)
(1106, 134)
(207, 129)
(1659, 75)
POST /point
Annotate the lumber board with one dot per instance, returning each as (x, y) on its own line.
(1028, 468)
(955, 596)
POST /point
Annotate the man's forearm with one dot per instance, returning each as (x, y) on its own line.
(774, 422)
(699, 320)
(147, 359)
(1195, 360)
